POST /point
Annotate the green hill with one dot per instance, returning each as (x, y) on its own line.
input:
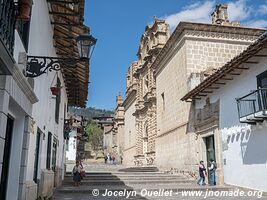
(90, 112)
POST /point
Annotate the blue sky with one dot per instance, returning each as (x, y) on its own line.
(119, 24)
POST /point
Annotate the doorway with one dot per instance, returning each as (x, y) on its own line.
(37, 152)
(210, 151)
(6, 158)
(54, 154)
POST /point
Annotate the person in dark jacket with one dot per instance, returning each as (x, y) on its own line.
(106, 159)
(212, 170)
(202, 173)
(76, 172)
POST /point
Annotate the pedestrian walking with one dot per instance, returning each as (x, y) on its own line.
(202, 173)
(121, 159)
(106, 159)
(113, 159)
(82, 173)
(212, 170)
(76, 173)
(109, 158)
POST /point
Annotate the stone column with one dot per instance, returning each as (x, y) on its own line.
(23, 164)
(58, 176)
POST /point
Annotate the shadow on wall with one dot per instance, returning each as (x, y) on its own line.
(253, 146)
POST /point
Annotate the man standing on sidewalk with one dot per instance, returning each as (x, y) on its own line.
(212, 170)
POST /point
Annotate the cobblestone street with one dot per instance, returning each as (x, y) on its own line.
(110, 182)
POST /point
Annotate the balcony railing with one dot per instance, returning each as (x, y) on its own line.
(7, 24)
(253, 106)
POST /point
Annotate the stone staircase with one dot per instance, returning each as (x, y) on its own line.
(132, 179)
(139, 169)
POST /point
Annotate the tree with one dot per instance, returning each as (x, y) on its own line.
(95, 136)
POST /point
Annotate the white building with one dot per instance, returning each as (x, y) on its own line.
(32, 145)
(76, 128)
(240, 87)
(71, 149)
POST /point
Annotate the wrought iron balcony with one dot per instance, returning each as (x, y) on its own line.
(252, 108)
(7, 24)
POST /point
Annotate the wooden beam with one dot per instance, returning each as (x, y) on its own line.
(64, 24)
(66, 19)
(63, 13)
(64, 31)
(62, 46)
(63, 1)
(67, 53)
(66, 42)
(64, 37)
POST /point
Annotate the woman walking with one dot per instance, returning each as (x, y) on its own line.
(77, 173)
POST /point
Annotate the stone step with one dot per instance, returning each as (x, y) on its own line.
(127, 182)
(122, 173)
(139, 169)
(174, 188)
(127, 177)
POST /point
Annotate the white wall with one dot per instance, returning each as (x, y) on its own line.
(41, 44)
(16, 149)
(72, 145)
(129, 136)
(244, 146)
(130, 129)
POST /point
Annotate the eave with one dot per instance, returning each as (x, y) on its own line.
(67, 18)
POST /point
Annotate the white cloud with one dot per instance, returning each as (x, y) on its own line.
(197, 12)
(263, 9)
(261, 23)
(238, 10)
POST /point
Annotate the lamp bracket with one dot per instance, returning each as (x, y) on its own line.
(38, 65)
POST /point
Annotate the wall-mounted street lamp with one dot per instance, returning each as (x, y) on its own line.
(38, 65)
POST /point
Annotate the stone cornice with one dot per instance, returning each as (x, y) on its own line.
(148, 60)
(198, 28)
(129, 100)
(142, 110)
(24, 84)
(131, 88)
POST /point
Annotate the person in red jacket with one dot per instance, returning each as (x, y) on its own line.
(113, 159)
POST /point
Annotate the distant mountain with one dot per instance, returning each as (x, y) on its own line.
(90, 112)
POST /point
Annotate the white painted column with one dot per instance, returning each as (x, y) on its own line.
(24, 156)
(4, 99)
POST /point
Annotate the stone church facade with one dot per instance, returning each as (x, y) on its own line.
(194, 51)
(140, 103)
(162, 130)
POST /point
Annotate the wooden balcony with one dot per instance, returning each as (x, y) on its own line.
(252, 108)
